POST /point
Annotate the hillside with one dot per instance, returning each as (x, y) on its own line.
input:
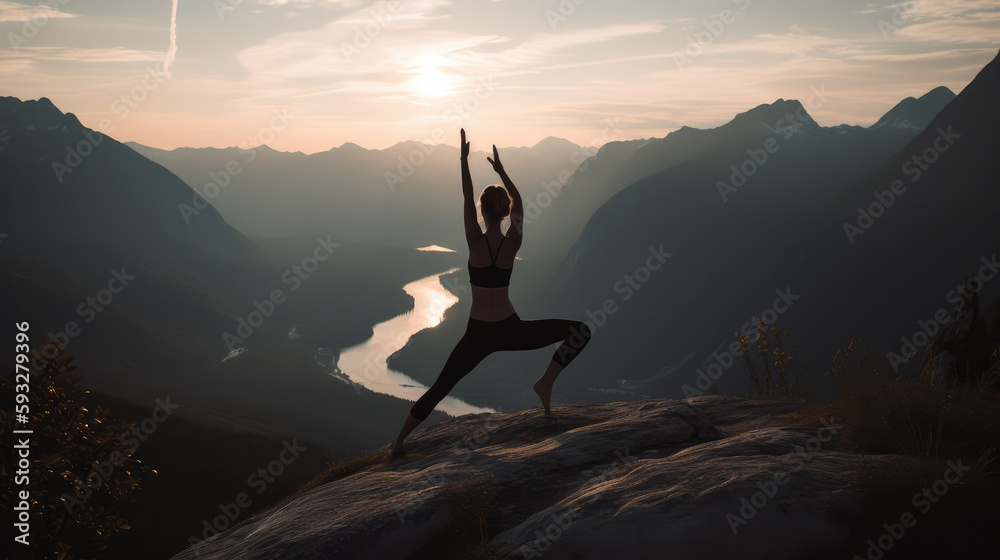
(909, 255)
(710, 478)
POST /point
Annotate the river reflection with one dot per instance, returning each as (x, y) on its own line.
(365, 364)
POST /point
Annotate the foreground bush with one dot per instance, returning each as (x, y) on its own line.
(82, 469)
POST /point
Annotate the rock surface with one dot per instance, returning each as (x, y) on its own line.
(710, 477)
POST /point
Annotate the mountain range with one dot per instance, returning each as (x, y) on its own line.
(99, 257)
(746, 222)
(400, 195)
(748, 213)
(750, 220)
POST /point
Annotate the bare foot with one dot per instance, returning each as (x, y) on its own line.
(544, 391)
(396, 451)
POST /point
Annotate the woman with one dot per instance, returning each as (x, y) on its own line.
(493, 323)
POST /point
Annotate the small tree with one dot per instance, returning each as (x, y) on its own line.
(777, 363)
(81, 470)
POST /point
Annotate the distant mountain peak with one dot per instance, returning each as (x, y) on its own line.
(940, 91)
(553, 142)
(34, 114)
(260, 148)
(916, 113)
(778, 117)
(409, 144)
(350, 146)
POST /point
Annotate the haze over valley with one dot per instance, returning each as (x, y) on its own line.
(262, 238)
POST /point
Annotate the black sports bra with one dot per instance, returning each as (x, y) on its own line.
(490, 276)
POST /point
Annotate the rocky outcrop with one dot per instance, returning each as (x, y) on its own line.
(710, 477)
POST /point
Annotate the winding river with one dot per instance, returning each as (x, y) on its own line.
(365, 363)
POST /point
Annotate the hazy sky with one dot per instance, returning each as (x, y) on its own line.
(510, 71)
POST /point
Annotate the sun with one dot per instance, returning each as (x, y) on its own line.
(431, 82)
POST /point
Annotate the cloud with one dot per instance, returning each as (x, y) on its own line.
(949, 21)
(334, 49)
(171, 54)
(545, 45)
(11, 11)
(358, 54)
(978, 28)
(955, 55)
(82, 55)
(342, 62)
(956, 31)
(948, 9)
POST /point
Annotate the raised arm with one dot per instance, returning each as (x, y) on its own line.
(516, 230)
(472, 229)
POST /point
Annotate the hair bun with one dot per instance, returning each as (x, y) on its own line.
(494, 202)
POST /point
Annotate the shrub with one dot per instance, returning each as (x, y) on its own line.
(74, 506)
(911, 433)
(777, 363)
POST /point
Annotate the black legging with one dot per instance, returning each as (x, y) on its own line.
(482, 338)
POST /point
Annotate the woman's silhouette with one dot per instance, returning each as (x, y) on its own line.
(493, 323)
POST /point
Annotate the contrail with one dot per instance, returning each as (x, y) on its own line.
(168, 58)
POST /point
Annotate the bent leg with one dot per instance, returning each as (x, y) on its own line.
(529, 335)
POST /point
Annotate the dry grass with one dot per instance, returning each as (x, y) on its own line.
(915, 418)
(476, 499)
(913, 431)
